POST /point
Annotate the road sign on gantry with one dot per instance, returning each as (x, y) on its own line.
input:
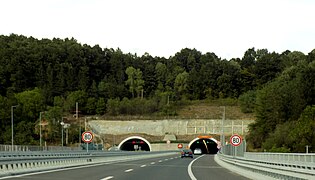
(236, 140)
(87, 137)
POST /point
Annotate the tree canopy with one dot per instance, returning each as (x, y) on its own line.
(53, 74)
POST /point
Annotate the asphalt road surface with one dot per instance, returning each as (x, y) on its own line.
(173, 167)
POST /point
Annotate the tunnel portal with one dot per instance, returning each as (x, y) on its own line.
(134, 143)
(207, 145)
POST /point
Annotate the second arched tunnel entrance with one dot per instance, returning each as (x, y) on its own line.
(207, 145)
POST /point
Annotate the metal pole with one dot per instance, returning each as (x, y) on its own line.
(12, 119)
(84, 124)
(67, 136)
(62, 137)
(222, 127)
(40, 129)
(62, 124)
(76, 116)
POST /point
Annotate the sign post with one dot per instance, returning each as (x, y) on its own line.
(87, 137)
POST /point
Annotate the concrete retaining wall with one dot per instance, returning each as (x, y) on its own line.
(177, 127)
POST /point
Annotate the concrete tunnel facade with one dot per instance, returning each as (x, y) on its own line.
(135, 143)
(207, 144)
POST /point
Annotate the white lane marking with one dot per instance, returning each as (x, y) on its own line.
(190, 173)
(152, 162)
(128, 170)
(143, 165)
(160, 160)
(171, 158)
(165, 159)
(109, 177)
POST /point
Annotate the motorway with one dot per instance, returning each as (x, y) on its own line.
(172, 167)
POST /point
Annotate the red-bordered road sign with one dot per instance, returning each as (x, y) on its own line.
(87, 137)
(236, 140)
(180, 146)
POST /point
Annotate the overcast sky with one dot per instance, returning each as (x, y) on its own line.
(163, 27)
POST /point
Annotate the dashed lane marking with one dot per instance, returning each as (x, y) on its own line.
(128, 170)
(109, 177)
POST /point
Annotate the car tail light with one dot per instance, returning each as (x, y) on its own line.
(190, 152)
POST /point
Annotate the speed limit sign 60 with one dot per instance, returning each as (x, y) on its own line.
(235, 140)
(87, 137)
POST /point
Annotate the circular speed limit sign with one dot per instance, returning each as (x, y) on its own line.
(87, 137)
(235, 140)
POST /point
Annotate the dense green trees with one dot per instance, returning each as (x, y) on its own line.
(52, 75)
(280, 107)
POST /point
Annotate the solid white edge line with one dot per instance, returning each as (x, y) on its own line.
(190, 173)
(109, 177)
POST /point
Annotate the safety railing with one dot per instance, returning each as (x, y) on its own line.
(275, 165)
(36, 148)
(26, 162)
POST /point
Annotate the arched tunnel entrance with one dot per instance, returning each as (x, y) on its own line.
(207, 144)
(134, 143)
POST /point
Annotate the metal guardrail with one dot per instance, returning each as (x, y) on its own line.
(275, 165)
(26, 162)
(36, 148)
(293, 158)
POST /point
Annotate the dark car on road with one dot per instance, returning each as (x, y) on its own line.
(186, 153)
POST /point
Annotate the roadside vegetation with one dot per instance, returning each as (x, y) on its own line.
(51, 76)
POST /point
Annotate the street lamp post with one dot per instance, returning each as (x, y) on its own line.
(64, 126)
(12, 119)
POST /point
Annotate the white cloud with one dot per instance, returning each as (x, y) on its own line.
(163, 27)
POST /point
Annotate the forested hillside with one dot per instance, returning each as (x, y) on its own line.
(52, 75)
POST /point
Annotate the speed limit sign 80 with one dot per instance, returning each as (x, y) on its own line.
(235, 140)
(87, 137)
